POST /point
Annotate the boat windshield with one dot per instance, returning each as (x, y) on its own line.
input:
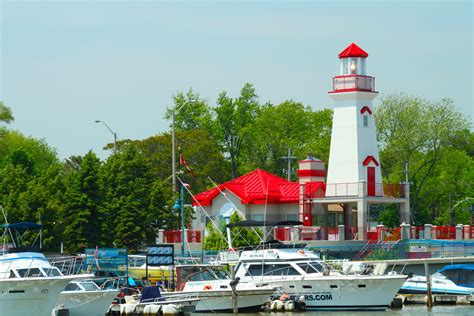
(201, 273)
(52, 272)
(89, 286)
(313, 267)
(259, 269)
(32, 272)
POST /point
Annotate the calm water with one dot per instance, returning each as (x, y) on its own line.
(416, 310)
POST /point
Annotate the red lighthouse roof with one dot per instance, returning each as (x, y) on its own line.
(353, 51)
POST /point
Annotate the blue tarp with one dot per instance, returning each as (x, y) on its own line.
(458, 267)
(150, 293)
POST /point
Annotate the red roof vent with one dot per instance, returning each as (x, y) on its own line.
(353, 51)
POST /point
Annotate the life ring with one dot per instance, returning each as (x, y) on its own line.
(207, 287)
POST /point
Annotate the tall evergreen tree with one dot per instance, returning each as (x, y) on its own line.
(81, 214)
(127, 179)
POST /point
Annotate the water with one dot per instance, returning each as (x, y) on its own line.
(407, 310)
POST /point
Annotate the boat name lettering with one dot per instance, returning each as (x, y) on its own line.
(318, 297)
(313, 297)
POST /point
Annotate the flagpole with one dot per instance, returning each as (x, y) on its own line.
(182, 209)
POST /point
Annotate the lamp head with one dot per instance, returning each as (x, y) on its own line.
(177, 205)
(97, 121)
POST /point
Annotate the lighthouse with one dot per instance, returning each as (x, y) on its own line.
(354, 163)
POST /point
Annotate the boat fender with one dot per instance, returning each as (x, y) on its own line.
(289, 306)
(170, 310)
(276, 305)
(207, 287)
(127, 309)
(151, 310)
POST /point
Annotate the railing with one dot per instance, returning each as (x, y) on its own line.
(468, 232)
(174, 236)
(443, 232)
(417, 232)
(363, 188)
(353, 82)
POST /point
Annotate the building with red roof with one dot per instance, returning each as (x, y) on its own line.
(260, 195)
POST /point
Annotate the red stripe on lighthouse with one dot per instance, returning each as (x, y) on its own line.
(364, 109)
(370, 159)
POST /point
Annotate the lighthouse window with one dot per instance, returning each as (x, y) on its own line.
(366, 120)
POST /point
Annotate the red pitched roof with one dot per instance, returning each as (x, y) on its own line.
(252, 189)
(353, 51)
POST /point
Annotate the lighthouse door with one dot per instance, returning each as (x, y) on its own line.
(371, 181)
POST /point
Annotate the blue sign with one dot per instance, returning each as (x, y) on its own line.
(160, 255)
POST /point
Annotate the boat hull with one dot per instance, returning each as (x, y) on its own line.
(86, 303)
(343, 292)
(31, 296)
(221, 300)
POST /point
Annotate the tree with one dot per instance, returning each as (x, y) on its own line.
(234, 118)
(81, 215)
(127, 180)
(420, 132)
(6, 115)
(287, 125)
(194, 112)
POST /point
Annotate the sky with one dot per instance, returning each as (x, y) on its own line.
(65, 64)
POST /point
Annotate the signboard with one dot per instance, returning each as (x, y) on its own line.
(160, 255)
(106, 258)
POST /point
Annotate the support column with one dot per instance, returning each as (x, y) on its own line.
(362, 219)
(428, 231)
(405, 231)
(459, 234)
(341, 232)
(467, 234)
(347, 218)
(324, 235)
(380, 233)
(161, 236)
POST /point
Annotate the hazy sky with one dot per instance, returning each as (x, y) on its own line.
(65, 64)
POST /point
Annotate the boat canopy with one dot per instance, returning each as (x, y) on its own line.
(22, 226)
(457, 267)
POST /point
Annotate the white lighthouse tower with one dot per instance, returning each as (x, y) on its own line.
(354, 164)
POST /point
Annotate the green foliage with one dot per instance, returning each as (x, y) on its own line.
(287, 125)
(81, 214)
(6, 115)
(427, 135)
(126, 181)
(234, 119)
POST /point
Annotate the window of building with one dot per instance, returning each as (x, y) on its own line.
(291, 217)
(366, 120)
(257, 217)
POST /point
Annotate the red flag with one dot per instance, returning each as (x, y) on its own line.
(184, 164)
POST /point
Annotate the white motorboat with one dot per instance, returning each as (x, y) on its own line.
(214, 288)
(30, 285)
(300, 272)
(85, 298)
(440, 284)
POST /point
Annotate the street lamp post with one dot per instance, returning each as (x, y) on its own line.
(111, 131)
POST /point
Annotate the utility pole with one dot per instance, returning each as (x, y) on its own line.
(288, 159)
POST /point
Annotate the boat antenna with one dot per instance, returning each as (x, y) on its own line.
(7, 228)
